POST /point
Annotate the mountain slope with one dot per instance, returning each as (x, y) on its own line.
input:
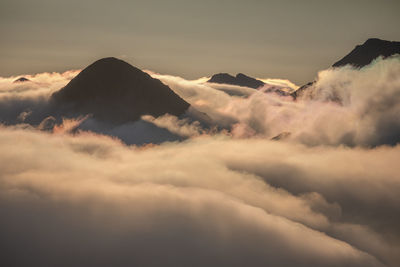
(364, 54)
(360, 56)
(115, 91)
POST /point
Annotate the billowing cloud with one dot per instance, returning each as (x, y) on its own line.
(216, 201)
(216, 190)
(345, 106)
(27, 101)
(38, 86)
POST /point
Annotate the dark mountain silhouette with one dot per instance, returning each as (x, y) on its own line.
(360, 56)
(240, 80)
(115, 91)
(364, 54)
(21, 80)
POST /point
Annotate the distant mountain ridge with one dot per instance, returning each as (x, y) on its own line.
(240, 80)
(113, 90)
(21, 80)
(361, 56)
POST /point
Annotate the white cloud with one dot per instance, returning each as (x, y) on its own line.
(211, 200)
(364, 111)
(225, 196)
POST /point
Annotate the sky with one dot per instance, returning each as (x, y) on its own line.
(266, 39)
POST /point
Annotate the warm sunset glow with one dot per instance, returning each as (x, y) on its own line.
(187, 133)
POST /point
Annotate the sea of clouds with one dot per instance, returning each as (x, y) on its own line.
(216, 191)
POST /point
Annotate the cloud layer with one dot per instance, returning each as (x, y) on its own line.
(210, 201)
(345, 106)
(216, 190)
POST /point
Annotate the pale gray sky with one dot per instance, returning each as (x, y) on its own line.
(276, 39)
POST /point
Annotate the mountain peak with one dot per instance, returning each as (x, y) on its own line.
(240, 80)
(360, 56)
(21, 80)
(109, 61)
(113, 90)
(374, 41)
(364, 54)
(109, 67)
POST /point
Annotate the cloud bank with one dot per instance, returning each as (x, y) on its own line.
(90, 200)
(209, 188)
(346, 106)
